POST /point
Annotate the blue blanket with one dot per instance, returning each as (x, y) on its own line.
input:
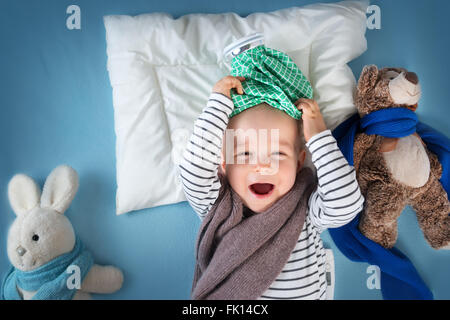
(399, 278)
(49, 280)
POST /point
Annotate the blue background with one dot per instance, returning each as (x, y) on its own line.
(56, 107)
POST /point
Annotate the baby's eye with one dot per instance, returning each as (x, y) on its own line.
(278, 153)
(243, 157)
(35, 237)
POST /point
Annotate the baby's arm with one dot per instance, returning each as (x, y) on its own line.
(201, 159)
(338, 198)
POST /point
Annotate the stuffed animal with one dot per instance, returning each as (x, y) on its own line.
(49, 261)
(396, 169)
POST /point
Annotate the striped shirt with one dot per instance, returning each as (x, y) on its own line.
(335, 202)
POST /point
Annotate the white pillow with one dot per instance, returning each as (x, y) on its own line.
(162, 70)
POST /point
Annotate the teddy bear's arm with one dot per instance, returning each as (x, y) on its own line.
(362, 143)
(435, 165)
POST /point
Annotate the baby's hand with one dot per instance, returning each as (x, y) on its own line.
(312, 118)
(227, 83)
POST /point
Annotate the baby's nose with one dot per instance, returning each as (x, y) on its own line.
(266, 167)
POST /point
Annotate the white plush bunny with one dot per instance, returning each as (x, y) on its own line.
(41, 234)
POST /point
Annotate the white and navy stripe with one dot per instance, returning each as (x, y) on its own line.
(199, 169)
(334, 203)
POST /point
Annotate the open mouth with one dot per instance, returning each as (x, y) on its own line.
(261, 190)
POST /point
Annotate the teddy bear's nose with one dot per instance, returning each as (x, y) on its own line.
(21, 251)
(412, 77)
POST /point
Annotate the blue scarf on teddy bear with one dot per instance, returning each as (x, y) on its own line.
(49, 280)
(399, 278)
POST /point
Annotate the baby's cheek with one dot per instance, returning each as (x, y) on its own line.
(236, 175)
(287, 173)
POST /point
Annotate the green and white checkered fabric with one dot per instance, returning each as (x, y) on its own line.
(271, 77)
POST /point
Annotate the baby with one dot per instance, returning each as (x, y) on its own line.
(248, 255)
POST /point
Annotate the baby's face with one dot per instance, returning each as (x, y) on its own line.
(262, 154)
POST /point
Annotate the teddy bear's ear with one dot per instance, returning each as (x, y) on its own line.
(60, 189)
(368, 78)
(23, 194)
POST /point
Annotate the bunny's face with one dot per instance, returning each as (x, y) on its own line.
(38, 237)
(41, 232)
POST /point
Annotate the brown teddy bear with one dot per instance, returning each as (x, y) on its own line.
(395, 172)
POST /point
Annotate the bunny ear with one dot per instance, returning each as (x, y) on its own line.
(60, 189)
(23, 194)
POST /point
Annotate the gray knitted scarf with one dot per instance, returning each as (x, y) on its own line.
(239, 258)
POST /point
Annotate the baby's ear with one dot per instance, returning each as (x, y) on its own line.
(222, 167)
(368, 79)
(227, 138)
(23, 194)
(301, 159)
